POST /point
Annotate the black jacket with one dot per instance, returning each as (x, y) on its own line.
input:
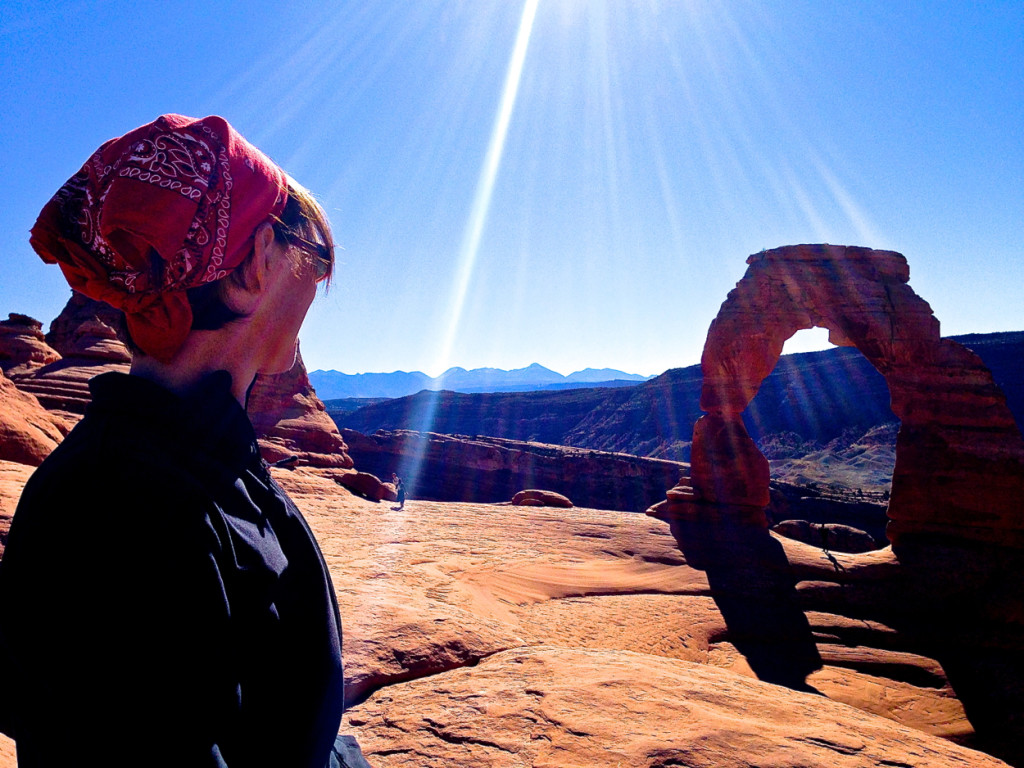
(162, 601)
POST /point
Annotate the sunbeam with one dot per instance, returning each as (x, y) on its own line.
(476, 222)
(485, 186)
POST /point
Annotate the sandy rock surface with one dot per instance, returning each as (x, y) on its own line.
(439, 598)
(554, 707)
(475, 636)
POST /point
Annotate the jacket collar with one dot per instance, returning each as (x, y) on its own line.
(207, 419)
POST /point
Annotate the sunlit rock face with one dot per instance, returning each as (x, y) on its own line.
(27, 431)
(23, 347)
(959, 456)
(290, 420)
(85, 336)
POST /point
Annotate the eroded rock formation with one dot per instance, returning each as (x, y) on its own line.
(959, 455)
(23, 347)
(291, 421)
(85, 336)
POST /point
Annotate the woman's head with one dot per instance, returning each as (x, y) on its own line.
(301, 226)
(161, 221)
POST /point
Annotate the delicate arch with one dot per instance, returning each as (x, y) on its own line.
(959, 454)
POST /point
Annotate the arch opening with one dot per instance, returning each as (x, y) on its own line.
(823, 420)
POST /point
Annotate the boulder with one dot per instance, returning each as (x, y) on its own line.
(27, 431)
(366, 485)
(831, 536)
(290, 420)
(533, 497)
(23, 347)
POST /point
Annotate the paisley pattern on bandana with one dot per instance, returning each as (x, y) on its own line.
(167, 207)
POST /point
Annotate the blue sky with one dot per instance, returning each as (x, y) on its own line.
(571, 182)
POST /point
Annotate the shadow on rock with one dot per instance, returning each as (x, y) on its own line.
(755, 592)
(967, 599)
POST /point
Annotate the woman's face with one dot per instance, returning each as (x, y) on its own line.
(289, 297)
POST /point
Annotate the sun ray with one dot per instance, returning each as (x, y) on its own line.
(485, 186)
(475, 225)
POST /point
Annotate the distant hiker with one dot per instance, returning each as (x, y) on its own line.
(399, 489)
(162, 600)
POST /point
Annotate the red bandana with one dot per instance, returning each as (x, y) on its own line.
(167, 207)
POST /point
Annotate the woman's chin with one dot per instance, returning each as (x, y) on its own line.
(281, 363)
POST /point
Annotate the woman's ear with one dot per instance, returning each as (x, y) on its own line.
(265, 252)
(243, 295)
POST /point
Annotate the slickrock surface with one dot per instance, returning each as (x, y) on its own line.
(833, 536)
(28, 432)
(441, 587)
(553, 707)
(290, 420)
(84, 334)
(492, 469)
(23, 347)
(959, 456)
(486, 635)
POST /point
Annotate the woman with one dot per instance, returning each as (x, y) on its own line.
(162, 601)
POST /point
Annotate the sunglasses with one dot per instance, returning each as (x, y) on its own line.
(319, 255)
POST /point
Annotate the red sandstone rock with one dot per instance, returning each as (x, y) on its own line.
(366, 485)
(13, 476)
(959, 455)
(534, 497)
(458, 583)
(833, 536)
(87, 329)
(403, 635)
(27, 431)
(290, 420)
(85, 335)
(23, 347)
(547, 706)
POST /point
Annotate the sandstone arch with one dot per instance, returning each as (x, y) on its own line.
(959, 455)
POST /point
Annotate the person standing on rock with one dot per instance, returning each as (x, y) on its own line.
(162, 601)
(399, 490)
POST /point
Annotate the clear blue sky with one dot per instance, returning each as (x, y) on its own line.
(571, 182)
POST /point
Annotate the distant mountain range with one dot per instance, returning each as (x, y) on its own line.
(332, 385)
(812, 398)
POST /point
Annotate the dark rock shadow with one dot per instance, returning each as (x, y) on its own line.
(755, 591)
(966, 601)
